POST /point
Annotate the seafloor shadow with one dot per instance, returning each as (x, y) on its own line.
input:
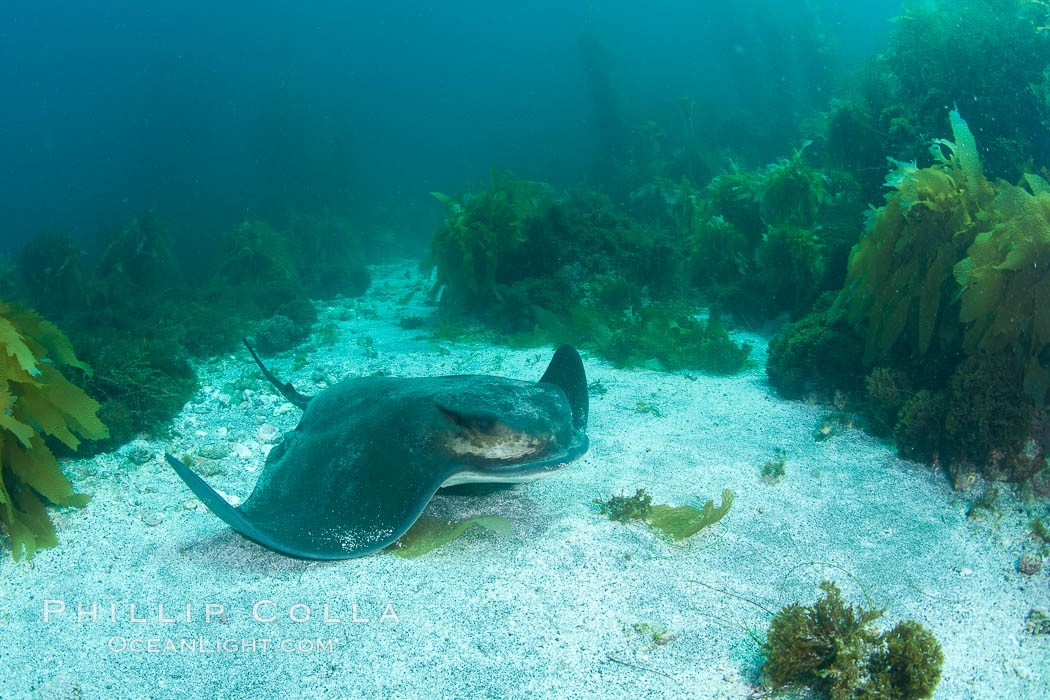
(481, 489)
(227, 549)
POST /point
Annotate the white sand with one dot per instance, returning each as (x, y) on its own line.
(548, 612)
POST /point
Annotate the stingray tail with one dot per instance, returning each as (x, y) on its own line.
(235, 518)
(566, 372)
(287, 390)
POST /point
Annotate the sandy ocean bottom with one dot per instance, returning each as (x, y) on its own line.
(553, 610)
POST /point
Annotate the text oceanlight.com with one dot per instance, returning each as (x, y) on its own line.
(206, 645)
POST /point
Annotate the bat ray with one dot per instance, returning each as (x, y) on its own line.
(369, 453)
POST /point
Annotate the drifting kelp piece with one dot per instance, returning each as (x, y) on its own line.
(677, 522)
(429, 533)
(36, 400)
(680, 522)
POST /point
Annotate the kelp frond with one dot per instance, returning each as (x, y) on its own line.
(36, 400)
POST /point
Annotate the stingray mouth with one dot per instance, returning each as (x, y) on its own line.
(487, 439)
(530, 468)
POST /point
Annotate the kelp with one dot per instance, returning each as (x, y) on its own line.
(791, 265)
(1005, 284)
(429, 533)
(37, 402)
(939, 54)
(755, 239)
(675, 522)
(946, 293)
(900, 279)
(953, 255)
(680, 522)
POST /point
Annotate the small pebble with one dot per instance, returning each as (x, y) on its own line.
(1037, 622)
(207, 467)
(139, 455)
(151, 518)
(1030, 564)
(268, 433)
(191, 504)
(966, 571)
(215, 450)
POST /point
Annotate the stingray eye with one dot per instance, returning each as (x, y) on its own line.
(482, 423)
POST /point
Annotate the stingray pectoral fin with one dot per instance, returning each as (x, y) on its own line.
(566, 372)
(235, 519)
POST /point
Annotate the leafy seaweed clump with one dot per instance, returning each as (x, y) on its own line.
(277, 334)
(429, 533)
(722, 228)
(660, 339)
(539, 269)
(52, 264)
(791, 266)
(140, 382)
(832, 647)
(257, 275)
(625, 508)
(755, 240)
(919, 428)
(773, 470)
(139, 259)
(36, 403)
(719, 255)
(479, 233)
(329, 255)
(815, 355)
(792, 193)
